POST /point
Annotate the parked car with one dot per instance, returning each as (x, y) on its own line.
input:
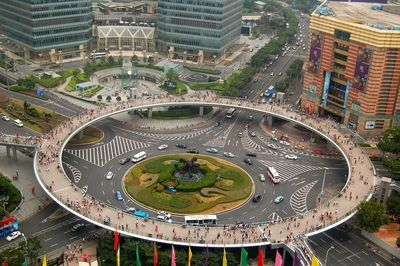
(163, 147)
(229, 154)
(251, 154)
(109, 175)
(118, 195)
(278, 199)
(77, 227)
(181, 145)
(212, 150)
(13, 235)
(124, 161)
(248, 161)
(256, 198)
(193, 150)
(262, 177)
(291, 157)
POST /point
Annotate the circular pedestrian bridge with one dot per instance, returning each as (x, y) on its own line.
(52, 177)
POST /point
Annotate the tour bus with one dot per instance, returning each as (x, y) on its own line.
(141, 214)
(139, 156)
(273, 175)
(98, 55)
(201, 219)
(230, 113)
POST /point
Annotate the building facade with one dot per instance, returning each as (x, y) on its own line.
(353, 67)
(195, 29)
(48, 29)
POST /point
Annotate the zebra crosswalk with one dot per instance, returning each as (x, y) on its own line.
(298, 200)
(102, 154)
(273, 217)
(250, 145)
(288, 171)
(76, 174)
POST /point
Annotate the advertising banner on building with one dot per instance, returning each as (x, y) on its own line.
(314, 60)
(362, 68)
(326, 87)
(369, 124)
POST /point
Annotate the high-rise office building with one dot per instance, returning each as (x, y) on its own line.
(353, 64)
(47, 29)
(197, 29)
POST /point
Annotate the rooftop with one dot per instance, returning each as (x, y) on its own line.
(382, 16)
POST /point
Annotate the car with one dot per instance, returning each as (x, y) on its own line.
(251, 154)
(255, 80)
(284, 142)
(318, 152)
(109, 175)
(247, 126)
(229, 154)
(278, 199)
(250, 118)
(163, 147)
(274, 138)
(256, 198)
(240, 134)
(262, 177)
(217, 124)
(212, 150)
(164, 218)
(291, 157)
(141, 214)
(18, 123)
(193, 150)
(181, 145)
(124, 161)
(248, 161)
(130, 209)
(272, 146)
(280, 73)
(118, 195)
(252, 133)
(273, 95)
(13, 235)
(263, 100)
(272, 73)
(332, 153)
(77, 227)
(5, 118)
(164, 213)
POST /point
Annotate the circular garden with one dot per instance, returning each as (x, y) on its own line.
(187, 184)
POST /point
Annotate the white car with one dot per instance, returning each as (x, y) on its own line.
(109, 175)
(272, 146)
(130, 209)
(164, 218)
(272, 73)
(262, 177)
(291, 157)
(283, 142)
(164, 213)
(13, 235)
(5, 118)
(163, 147)
(229, 154)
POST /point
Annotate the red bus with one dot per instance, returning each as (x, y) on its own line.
(273, 175)
(8, 225)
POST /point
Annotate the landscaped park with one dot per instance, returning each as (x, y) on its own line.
(187, 184)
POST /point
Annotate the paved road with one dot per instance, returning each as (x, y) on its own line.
(301, 180)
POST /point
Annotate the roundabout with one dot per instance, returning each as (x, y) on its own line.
(75, 197)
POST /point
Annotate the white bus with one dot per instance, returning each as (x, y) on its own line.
(273, 175)
(98, 55)
(139, 156)
(200, 219)
(230, 113)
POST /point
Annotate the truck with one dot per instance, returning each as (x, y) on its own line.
(270, 91)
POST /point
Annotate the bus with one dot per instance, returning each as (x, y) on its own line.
(98, 55)
(201, 219)
(141, 214)
(8, 225)
(273, 175)
(270, 91)
(230, 113)
(139, 156)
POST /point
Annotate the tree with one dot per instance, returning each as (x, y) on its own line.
(393, 204)
(110, 60)
(371, 215)
(108, 98)
(134, 59)
(99, 97)
(150, 61)
(31, 247)
(26, 106)
(391, 140)
(120, 61)
(398, 242)
(171, 75)
(118, 98)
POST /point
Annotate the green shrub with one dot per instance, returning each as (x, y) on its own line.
(365, 145)
(154, 167)
(203, 70)
(392, 163)
(18, 88)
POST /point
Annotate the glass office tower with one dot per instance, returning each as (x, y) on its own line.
(47, 28)
(193, 26)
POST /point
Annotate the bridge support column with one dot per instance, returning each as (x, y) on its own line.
(8, 148)
(14, 152)
(284, 256)
(269, 120)
(81, 134)
(150, 112)
(201, 111)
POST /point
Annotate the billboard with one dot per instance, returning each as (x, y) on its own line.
(362, 68)
(314, 60)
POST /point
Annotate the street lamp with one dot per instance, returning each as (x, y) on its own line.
(26, 251)
(326, 257)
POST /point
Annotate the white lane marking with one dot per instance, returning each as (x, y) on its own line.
(54, 245)
(48, 239)
(73, 237)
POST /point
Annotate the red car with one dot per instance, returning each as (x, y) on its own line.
(332, 153)
(318, 152)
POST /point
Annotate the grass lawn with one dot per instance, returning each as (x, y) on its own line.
(91, 134)
(206, 86)
(204, 70)
(179, 90)
(90, 92)
(72, 83)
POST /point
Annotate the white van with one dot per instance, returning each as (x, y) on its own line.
(18, 123)
(139, 156)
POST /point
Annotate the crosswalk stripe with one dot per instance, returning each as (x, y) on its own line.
(298, 200)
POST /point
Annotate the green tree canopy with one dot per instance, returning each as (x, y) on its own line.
(393, 204)
(390, 141)
(371, 215)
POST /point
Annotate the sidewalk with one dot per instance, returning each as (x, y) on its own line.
(72, 254)
(26, 181)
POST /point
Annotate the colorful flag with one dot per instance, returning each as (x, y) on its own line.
(207, 254)
(116, 239)
(138, 263)
(278, 259)
(224, 260)
(118, 257)
(314, 261)
(243, 258)
(5, 263)
(173, 262)
(25, 263)
(44, 262)
(189, 256)
(155, 255)
(260, 257)
(297, 259)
